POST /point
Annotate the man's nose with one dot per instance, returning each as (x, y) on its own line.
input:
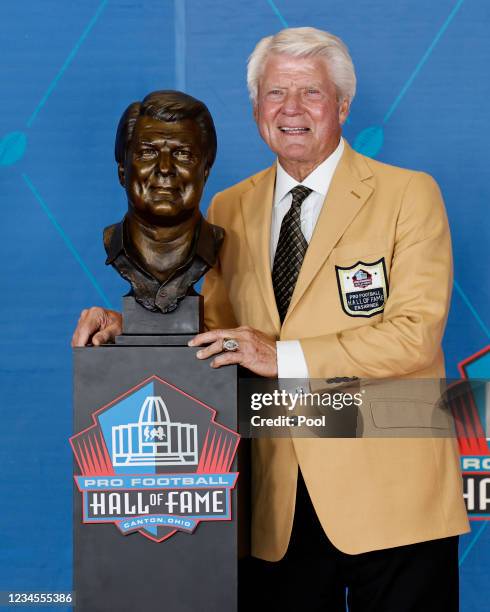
(165, 163)
(292, 103)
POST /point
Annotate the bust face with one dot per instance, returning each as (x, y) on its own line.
(165, 170)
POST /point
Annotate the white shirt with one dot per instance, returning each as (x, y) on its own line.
(291, 361)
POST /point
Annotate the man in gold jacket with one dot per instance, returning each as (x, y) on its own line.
(362, 290)
(370, 494)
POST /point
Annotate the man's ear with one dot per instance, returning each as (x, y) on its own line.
(344, 108)
(121, 174)
(255, 110)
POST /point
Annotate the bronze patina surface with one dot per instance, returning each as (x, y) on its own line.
(165, 148)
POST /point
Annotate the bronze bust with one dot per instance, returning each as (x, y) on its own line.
(165, 148)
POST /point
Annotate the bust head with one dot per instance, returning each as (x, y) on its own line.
(165, 148)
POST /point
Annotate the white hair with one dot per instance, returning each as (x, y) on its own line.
(305, 42)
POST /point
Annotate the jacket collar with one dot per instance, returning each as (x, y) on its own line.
(147, 290)
(347, 194)
(204, 245)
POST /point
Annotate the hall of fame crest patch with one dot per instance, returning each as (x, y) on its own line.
(363, 288)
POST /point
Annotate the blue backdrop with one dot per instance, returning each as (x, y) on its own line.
(69, 69)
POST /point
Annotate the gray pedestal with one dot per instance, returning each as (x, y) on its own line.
(188, 572)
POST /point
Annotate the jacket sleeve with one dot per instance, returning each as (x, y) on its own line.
(408, 338)
(218, 312)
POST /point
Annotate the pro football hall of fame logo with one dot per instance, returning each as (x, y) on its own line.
(470, 403)
(155, 461)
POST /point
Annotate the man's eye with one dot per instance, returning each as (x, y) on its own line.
(183, 155)
(311, 91)
(275, 93)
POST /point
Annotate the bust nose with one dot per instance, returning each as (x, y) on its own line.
(165, 164)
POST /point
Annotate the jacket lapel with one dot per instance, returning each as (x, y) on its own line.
(256, 205)
(346, 196)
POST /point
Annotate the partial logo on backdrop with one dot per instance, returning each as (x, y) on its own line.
(363, 288)
(155, 461)
(470, 404)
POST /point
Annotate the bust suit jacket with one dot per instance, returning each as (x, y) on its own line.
(368, 493)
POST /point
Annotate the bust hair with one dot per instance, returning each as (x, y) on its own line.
(168, 106)
(305, 42)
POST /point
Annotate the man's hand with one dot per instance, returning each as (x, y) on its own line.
(256, 351)
(97, 326)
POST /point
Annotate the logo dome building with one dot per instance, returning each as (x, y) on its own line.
(154, 440)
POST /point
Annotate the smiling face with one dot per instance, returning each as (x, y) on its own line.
(297, 112)
(165, 170)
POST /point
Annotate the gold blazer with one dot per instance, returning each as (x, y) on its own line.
(368, 493)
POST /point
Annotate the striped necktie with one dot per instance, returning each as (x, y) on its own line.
(290, 252)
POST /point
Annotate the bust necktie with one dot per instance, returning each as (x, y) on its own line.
(290, 252)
